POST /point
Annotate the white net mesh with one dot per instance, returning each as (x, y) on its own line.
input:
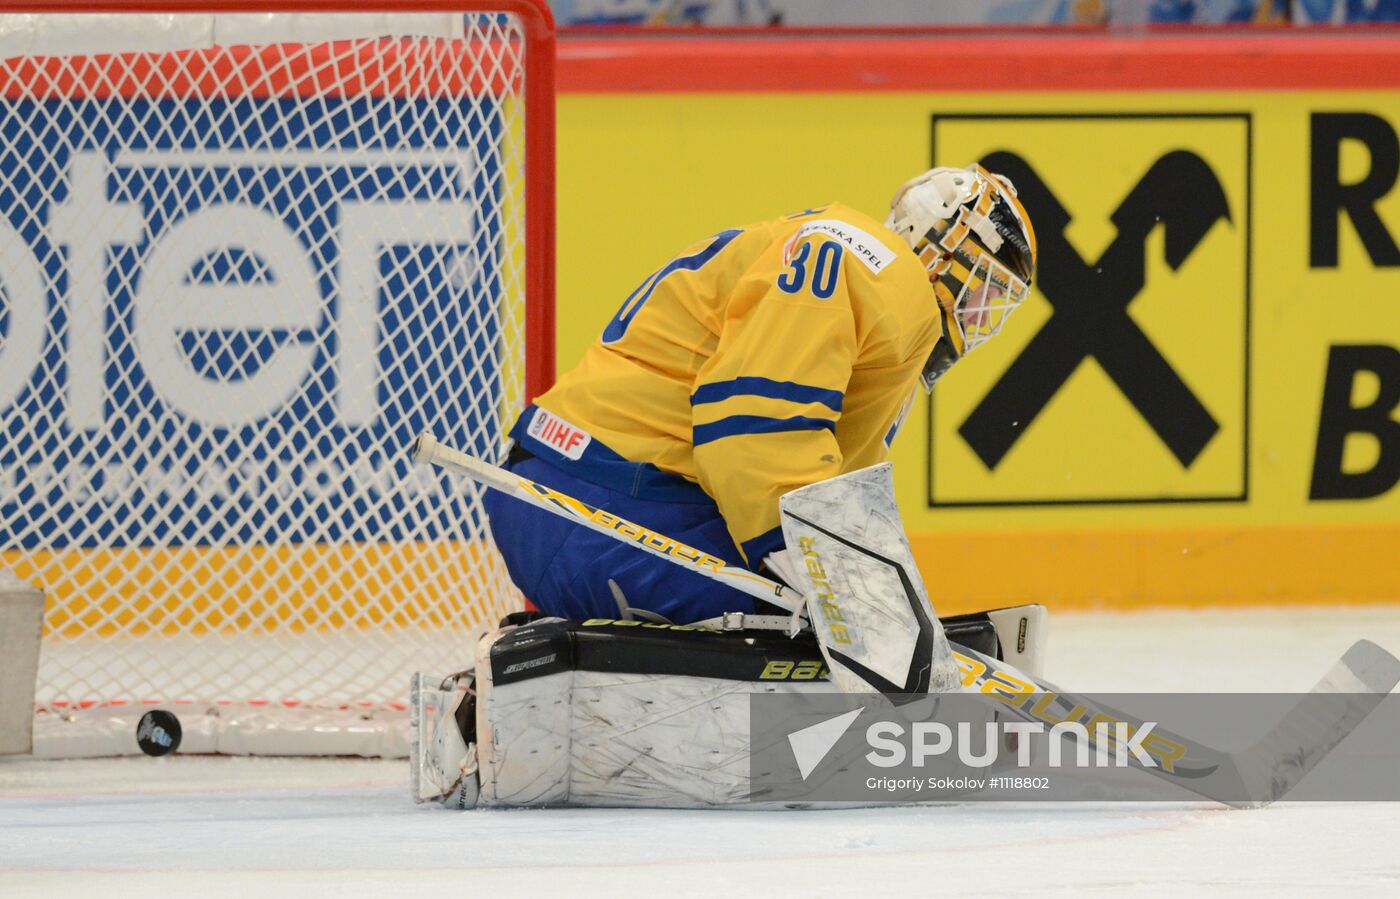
(236, 279)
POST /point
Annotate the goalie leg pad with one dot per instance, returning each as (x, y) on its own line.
(613, 713)
(626, 713)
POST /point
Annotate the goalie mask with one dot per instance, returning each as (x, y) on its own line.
(974, 237)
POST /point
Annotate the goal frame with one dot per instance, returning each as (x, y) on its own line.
(535, 24)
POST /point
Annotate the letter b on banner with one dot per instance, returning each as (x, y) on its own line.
(1340, 419)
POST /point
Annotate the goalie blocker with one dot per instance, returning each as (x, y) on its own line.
(608, 712)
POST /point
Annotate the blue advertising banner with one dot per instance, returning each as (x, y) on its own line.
(225, 319)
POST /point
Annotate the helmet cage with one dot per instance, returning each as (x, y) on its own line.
(974, 239)
(987, 296)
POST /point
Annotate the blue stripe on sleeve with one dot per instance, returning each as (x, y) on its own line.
(767, 387)
(758, 548)
(756, 424)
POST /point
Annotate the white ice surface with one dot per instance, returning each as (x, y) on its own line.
(259, 828)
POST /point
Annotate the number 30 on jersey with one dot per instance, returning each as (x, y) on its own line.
(825, 270)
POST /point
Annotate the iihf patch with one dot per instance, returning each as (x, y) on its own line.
(558, 434)
(158, 733)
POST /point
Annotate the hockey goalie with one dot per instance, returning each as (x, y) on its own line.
(738, 408)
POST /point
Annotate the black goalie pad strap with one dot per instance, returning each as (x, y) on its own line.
(635, 647)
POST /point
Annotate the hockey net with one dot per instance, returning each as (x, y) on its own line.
(244, 259)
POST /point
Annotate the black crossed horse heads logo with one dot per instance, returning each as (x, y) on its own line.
(1091, 299)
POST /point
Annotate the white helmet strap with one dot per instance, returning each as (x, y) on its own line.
(985, 228)
(935, 195)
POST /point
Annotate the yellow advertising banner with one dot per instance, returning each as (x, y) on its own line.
(1126, 380)
(1201, 401)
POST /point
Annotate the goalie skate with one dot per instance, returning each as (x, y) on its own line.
(444, 764)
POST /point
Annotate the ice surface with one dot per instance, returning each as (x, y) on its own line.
(271, 827)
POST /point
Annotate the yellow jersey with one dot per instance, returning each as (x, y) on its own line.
(760, 360)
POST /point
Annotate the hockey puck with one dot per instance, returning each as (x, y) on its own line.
(158, 733)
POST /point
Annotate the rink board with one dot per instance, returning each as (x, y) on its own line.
(1231, 437)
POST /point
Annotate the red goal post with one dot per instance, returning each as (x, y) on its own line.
(248, 250)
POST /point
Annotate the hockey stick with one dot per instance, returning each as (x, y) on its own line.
(1248, 778)
(427, 449)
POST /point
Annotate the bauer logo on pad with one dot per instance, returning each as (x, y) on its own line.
(1124, 378)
